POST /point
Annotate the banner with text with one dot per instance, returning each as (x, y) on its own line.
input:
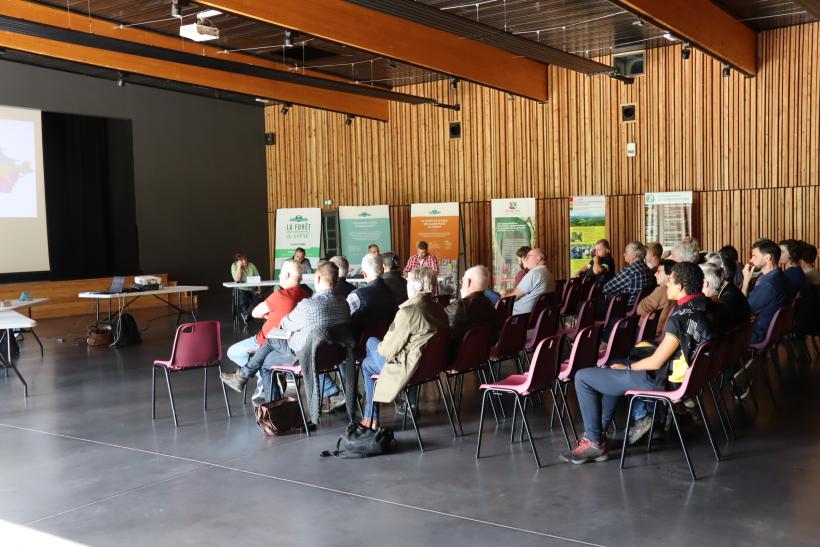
(587, 224)
(668, 217)
(362, 226)
(297, 228)
(513, 228)
(438, 225)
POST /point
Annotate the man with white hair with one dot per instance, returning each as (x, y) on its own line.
(687, 250)
(343, 286)
(632, 279)
(374, 301)
(272, 310)
(473, 308)
(396, 357)
(539, 280)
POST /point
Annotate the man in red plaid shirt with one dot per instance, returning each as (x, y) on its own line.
(422, 259)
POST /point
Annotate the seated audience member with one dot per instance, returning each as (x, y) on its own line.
(732, 268)
(473, 308)
(601, 267)
(241, 268)
(687, 250)
(373, 249)
(520, 254)
(657, 299)
(790, 251)
(492, 296)
(654, 254)
(324, 308)
(299, 256)
(538, 281)
(728, 307)
(343, 286)
(396, 357)
(632, 279)
(374, 302)
(393, 278)
(272, 310)
(422, 259)
(808, 256)
(772, 289)
(599, 389)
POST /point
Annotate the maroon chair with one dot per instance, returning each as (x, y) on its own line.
(471, 356)
(621, 340)
(376, 329)
(585, 318)
(557, 296)
(433, 363)
(616, 309)
(540, 377)
(326, 360)
(510, 343)
(572, 299)
(646, 291)
(196, 346)
(442, 300)
(697, 375)
(584, 354)
(594, 292)
(504, 309)
(648, 326)
(545, 326)
(540, 304)
(781, 323)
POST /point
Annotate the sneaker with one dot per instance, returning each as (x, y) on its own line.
(586, 451)
(233, 380)
(639, 429)
(337, 403)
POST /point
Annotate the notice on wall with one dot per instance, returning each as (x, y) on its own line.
(513, 228)
(297, 228)
(587, 224)
(668, 217)
(361, 227)
(438, 225)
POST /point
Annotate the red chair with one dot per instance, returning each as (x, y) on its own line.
(648, 327)
(472, 356)
(326, 361)
(540, 377)
(557, 296)
(646, 291)
(433, 363)
(504, 309)
(594, 292)
(616, 309)
(696, 378)
(781, 323)
(545, 326)
(585, 318)
(584, 354)
(510, 342)
(572, 298)
(621, 340)
(196, 346)
(377, 329)
(540, 305)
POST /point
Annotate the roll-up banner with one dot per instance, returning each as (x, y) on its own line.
(513, 228)
(361, 227)
(668, 217)
(437, 224)
(297, 228)
(587, 224)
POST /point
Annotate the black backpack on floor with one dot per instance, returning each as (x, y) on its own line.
(125, 331)
(362, 442)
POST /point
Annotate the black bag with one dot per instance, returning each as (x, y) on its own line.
(125, 331)
(362, 442)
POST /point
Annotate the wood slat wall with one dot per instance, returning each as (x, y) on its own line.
(748, 147)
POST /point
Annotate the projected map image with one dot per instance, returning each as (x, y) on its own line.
(18, 188)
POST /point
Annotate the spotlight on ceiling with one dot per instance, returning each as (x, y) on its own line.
(349, 119)
(621, 78)
(637, 23)
(285, 108)
(288, 39)
(120, 79)
(391, 63)
(686, 51)
(727, 70)
(176, 7)
(669, 36)
(453, 83)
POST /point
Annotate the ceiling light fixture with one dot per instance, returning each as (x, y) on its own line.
(285, 108)
(686, 51)
(638, 23)
(391, 63)
(727, 70)
(176, 8)
(349, 119)
(288, 39)
(120, 79)
(669, 36)
(454, 83)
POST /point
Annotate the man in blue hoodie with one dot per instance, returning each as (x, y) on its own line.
(772, 289)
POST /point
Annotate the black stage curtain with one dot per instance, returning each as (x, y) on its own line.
(89, 180)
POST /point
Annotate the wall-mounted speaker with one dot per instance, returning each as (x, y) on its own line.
(628, 113)
(270, 138)
(455, 130)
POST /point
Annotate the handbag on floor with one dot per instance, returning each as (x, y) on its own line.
(99, 335)
(362, 442)
(279, 417)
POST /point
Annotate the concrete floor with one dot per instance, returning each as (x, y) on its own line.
(83, 461)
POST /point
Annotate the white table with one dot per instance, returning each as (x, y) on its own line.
(125, 299)
(27, 304)
(9, 320)
(237, 286)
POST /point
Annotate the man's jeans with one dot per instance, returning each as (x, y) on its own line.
(277, 352)
(599, 390)
(373, 363)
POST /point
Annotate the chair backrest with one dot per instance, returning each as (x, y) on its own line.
(546, 325)
(196, 345)
(571, 282)
(540, 304)
(504, 309)
(741, 341)
(594, 292)
(433, 357)
(584, 352)
(771, 332)
(586, 314)
(785, 322)
(616, 308)
(572, 298)
(376, 329)
(648, 327)
(698, 372)
(442, 300)
(646, 291)
(621, 339)
(473, 349)
(545, 363)
(559, 290)
(328, 355)
(513, 335)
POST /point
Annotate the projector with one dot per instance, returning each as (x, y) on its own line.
(199, 31)
(147, 280)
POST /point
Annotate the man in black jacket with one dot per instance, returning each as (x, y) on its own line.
(343, 286)
(393, 278)
(373, 302)
(473, 308)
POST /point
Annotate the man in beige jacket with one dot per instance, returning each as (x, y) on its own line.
(657, 299)
(396, 358)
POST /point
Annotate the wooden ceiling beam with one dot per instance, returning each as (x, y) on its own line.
(368, 107)
(703, 24)
(217, 79)
(399, 39)
(811, 6)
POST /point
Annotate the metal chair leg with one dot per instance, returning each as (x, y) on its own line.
(171, 396)
(719, 413)
(224, 391)
(563, 388)
(299, 400)
(446, 406)
(154, 392)
(453, 403)
(413, 420)
(628, 417)
(554, 410)
(481, 424)
(682, 443)
(708, 429)
(205, 389)
(651, 427)
(526, 425)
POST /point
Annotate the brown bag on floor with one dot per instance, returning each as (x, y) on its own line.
(279, 417)
(99, 335)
